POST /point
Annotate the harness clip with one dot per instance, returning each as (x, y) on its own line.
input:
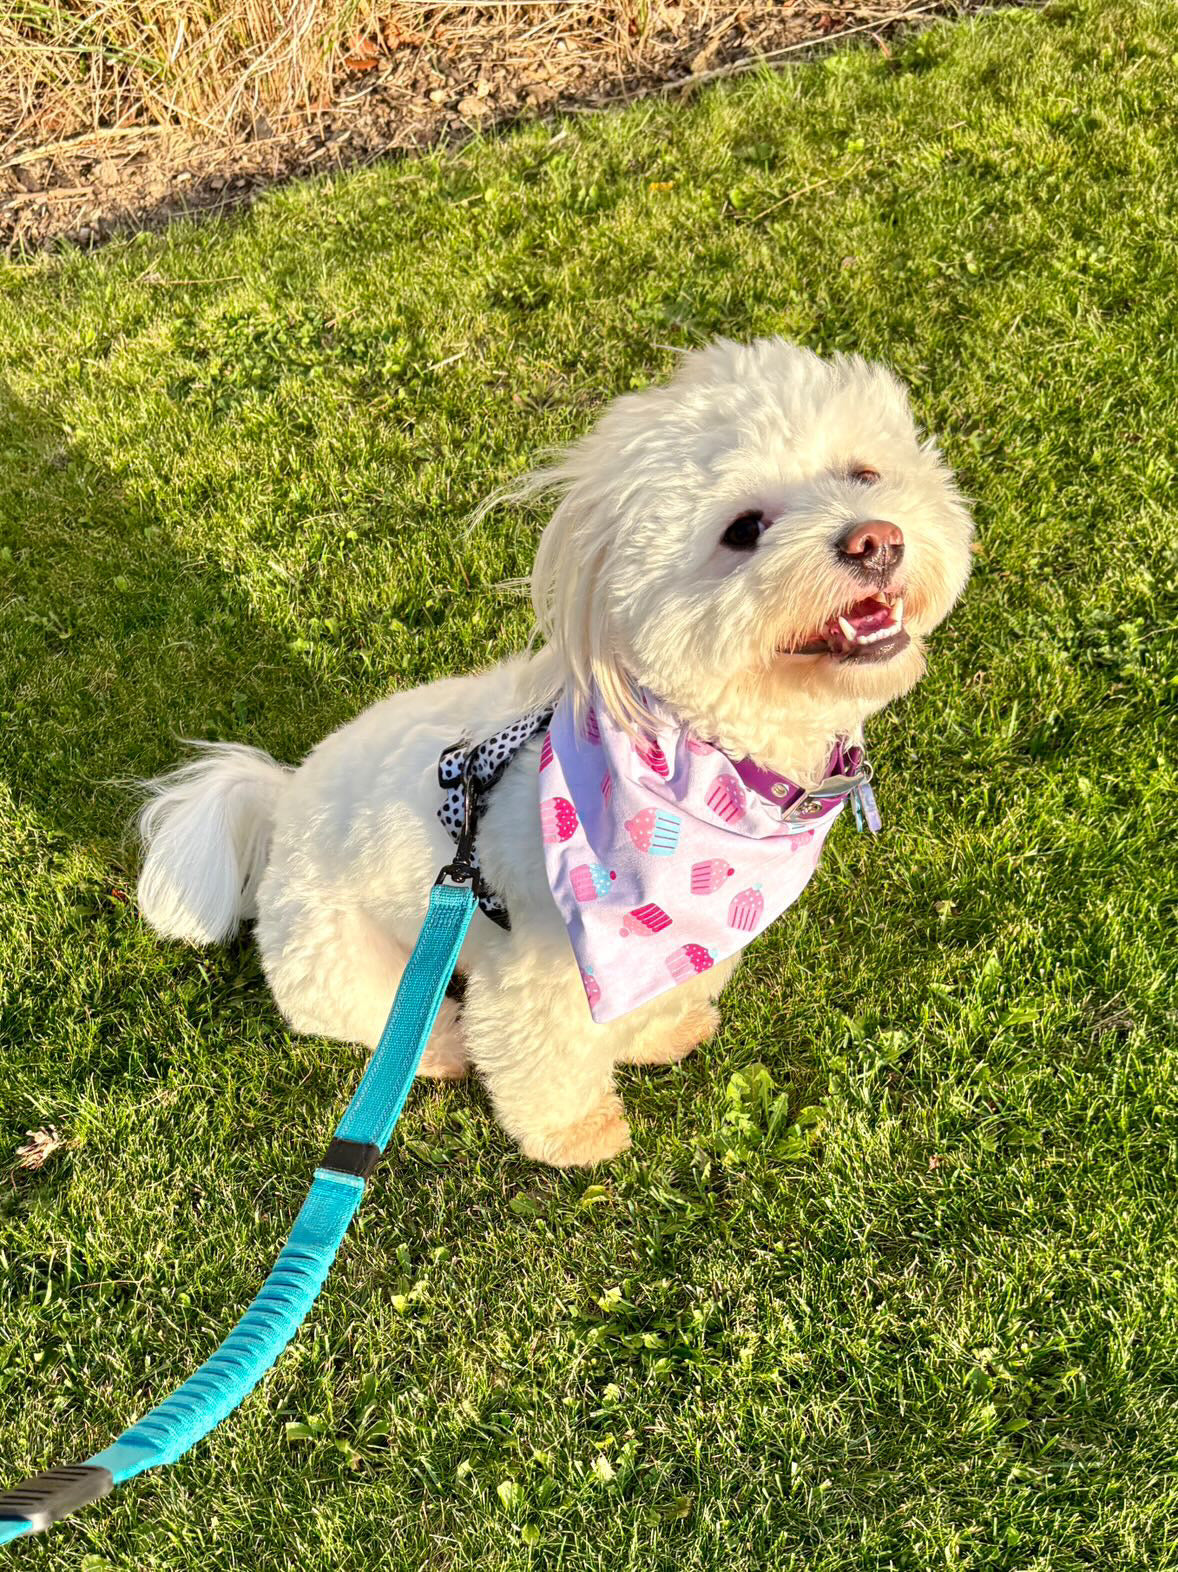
(462, 870)
(460, 873)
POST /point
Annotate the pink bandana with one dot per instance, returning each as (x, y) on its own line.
(662, 858)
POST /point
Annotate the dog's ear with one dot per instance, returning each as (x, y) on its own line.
(569, 598)
(566, 587)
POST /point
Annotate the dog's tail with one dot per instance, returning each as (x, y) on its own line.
(206, 832)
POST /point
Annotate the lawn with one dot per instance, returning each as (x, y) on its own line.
(237, 462)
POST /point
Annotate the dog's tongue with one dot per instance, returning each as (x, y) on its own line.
(867, 615)
(872, 620)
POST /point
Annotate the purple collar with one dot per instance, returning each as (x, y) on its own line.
(844, 772)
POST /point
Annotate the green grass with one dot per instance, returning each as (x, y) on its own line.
(236, 462)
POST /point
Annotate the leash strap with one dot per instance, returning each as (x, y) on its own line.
(287, 1295)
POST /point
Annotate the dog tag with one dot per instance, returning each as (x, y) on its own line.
(864, 798)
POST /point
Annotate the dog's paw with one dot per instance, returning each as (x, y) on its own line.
(660, 1046)
(596, 1138)
(444, 1062)
(445, 1058)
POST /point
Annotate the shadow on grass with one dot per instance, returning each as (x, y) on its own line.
(114, 645)
(118, 644)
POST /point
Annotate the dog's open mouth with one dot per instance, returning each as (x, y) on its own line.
(871, 629)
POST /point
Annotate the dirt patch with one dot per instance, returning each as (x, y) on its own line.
(422, 76)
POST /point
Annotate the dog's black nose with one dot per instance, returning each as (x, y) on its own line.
(873, 549)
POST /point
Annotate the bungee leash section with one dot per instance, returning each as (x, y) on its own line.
(286, 1297)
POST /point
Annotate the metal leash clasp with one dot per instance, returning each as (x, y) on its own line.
(462, 869)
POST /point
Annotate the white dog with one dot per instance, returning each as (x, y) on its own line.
(755, 553)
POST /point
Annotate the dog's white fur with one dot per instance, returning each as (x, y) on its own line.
(633, 591)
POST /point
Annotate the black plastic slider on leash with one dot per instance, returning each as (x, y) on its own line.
(358, 1158)
(47, 1497)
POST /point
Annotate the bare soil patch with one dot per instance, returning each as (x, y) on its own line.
(412, 76)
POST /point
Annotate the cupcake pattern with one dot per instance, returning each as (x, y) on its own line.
(590, 879)
(645, 920)
(745, 911)
(689, 960)
(652, 756)
(726, 798)
(592, 988)
(709, 875)
(662, 861)
(558, 820)
(654, 831)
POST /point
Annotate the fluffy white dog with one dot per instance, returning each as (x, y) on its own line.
(762, 545)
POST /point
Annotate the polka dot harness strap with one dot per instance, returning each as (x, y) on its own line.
(488, 761)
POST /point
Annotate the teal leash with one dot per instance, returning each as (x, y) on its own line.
(286, 1297)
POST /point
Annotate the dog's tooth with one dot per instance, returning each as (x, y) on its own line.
(898, 611)
(848, 630)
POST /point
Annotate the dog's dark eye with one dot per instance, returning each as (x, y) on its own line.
(744, 532)
(865, 475)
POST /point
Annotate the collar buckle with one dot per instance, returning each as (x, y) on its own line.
(809, 806)
(821, 798)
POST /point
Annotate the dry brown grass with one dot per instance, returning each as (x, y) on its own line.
(69, 66)
(117, 112)
(223, 68)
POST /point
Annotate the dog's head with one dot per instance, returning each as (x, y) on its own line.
(764, 538)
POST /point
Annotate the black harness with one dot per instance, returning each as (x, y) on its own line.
(466, 776)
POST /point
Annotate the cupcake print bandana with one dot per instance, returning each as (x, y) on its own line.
(661, 859)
